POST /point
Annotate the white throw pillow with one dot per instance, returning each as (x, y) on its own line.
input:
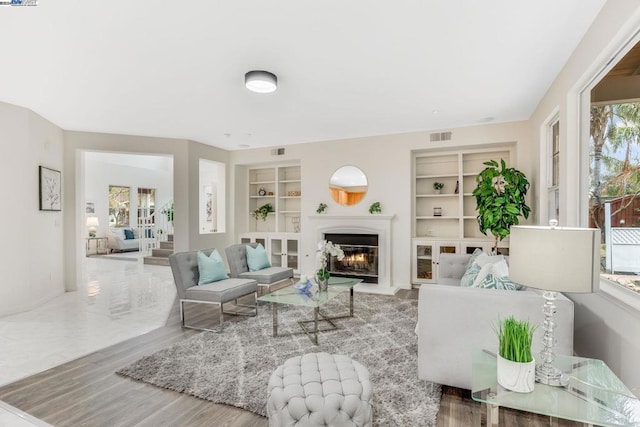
(498, 270)
(484, 259)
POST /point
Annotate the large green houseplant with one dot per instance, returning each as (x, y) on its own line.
(500, 198)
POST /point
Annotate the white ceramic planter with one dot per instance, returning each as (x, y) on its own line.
(515, 376)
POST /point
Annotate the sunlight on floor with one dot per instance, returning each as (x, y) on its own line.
(116, 300)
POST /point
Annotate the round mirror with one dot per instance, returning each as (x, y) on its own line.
(348, 185)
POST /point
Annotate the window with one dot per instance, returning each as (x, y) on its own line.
(146, 202)
(119, 202)
(553, 183)
(614, 193)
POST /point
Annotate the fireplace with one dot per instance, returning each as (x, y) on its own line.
(360, 256)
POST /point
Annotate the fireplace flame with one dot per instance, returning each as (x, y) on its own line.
(354, 258)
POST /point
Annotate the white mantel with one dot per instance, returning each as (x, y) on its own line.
(362, 224)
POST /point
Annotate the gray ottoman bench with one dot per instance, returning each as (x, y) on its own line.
(320, 389)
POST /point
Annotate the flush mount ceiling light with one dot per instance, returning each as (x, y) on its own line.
(261, 81)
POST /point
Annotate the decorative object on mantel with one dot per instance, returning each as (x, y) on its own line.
(50, 189)
(375, 208)
(326, 249)
(322, 208)
(438, 186)
(262, 192)
(500, 198)
(515, 365)
(262, 212)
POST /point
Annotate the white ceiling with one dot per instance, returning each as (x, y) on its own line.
(345, 68)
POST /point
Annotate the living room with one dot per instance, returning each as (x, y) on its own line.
(602, 324)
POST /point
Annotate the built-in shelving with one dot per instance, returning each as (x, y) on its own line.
(445, 220)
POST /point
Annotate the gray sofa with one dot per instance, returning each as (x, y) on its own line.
(453, 321)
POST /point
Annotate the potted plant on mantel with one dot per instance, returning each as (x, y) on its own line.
(516, 366)
(500, 197)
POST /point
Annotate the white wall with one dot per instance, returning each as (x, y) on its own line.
(386, 160)
(605, 328)
(31, 267)
(128, 170)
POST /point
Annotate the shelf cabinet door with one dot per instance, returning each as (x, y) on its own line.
(283, 252)
(425, 258)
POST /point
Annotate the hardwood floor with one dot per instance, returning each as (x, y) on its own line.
(87, 392)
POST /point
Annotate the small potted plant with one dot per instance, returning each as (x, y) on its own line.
(515, 363)
(375, 208)
(263, 211)
(322, 208)
(438, 186)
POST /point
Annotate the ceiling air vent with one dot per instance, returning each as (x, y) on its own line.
(440, 136)
(277, 152)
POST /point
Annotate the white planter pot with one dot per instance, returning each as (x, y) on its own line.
(515, 376)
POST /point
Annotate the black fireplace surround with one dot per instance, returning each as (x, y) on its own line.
(360, 256)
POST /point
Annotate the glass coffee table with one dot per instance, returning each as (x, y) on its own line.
(594, 395)
(314, 299)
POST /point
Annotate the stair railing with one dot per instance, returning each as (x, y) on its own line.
(155, 228)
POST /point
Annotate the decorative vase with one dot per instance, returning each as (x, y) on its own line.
(516, 376)
(437, 191)
(323, 283)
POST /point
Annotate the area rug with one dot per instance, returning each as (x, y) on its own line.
(233, 367)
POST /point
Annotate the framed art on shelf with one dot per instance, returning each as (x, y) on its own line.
(50, 189)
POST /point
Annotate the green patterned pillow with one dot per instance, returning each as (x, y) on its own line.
(470, 276)
(474, 255)
(492, 282)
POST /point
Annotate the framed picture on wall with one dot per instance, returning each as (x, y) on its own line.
(50, 189)
(90, 208)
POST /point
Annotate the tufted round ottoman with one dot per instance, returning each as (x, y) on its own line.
(320, 389)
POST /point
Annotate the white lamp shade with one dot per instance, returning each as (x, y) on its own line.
(555, 259)
(261, 81)
(92, 221)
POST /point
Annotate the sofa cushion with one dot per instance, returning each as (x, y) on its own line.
(473, 257)
(211, 268)
(128, 234)
(222, 291)
(269, 275)
(484, 259)
(257, 258)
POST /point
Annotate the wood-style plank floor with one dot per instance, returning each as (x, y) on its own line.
(87, 392)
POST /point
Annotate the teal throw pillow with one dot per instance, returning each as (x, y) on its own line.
(211, 268)
(128, 234)
(257, 258)
(470, 275)
(474, 255)
(503, 283)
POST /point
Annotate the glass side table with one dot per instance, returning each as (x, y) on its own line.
(594, 394)
(99, 246)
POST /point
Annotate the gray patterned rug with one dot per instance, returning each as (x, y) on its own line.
(233, 367)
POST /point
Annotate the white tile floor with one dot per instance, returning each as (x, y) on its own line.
(116, 300)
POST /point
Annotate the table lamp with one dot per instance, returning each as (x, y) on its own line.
(554, 259)
(92, 225)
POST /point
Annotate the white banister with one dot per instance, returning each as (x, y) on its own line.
(155, 228)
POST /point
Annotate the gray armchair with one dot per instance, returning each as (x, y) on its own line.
(267, 277)
(184, 266)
